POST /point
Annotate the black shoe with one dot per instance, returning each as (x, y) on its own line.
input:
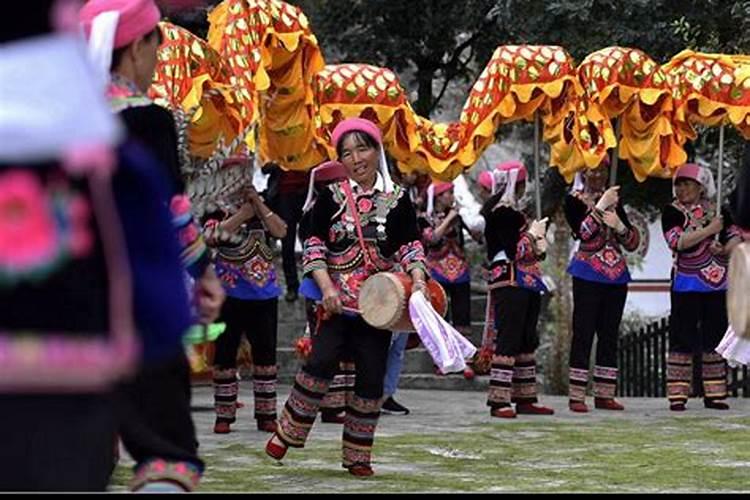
(291, 295)
(391, 407)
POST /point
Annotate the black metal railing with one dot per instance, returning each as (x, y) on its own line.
(642, 359)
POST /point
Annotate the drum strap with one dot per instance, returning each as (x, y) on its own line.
(355, 216)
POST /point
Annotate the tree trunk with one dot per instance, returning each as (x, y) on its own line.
(562, 309)
(424, 91)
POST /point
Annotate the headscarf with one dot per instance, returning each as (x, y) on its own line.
(434, 190)
(369, 128)
(504, 178)
(327, 171)
(112, 24)
(701, 175)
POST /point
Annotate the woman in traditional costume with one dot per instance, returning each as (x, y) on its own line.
(600, 277)
(701, 243)
(515, 249)
(359, 226)
(244, 264)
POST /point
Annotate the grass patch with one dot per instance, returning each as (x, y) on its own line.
(663, 455)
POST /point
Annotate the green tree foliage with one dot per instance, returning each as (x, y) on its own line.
(437, 39)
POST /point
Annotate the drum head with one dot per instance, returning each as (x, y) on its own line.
(738, 294)
(381, 300)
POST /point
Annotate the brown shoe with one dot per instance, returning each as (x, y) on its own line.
(361, 470)
(503, 412)
(607, 404)
(276, 450)
(533, 409)
(578, 407)
(222, 428)
(677, 406)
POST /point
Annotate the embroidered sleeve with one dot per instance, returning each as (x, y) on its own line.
(411, 256)
(193, 252)
(314, 255)
(525, 248)
(590, 227)
(631, 239)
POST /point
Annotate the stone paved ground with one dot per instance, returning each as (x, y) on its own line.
(450, 443)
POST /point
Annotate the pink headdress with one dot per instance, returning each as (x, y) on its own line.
(369, 128)
(136, 18)
(112, 24)
(486, 180)
(327, 171)
(512, 165)
(505, 177)
(356, 124)
(436, 189)
(701, 175)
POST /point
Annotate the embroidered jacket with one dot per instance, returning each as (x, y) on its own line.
(389, 229)
(513, 260)
(445, 257)
(696, 269)
(246, 268)
(599, 256)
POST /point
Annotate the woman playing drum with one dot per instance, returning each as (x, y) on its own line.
(514, 248)
(366, 211)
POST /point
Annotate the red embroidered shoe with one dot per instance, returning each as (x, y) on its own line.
(677, 406)
(267, 425)
(504, 412)
(332, 418)
(277, 449)
(713, 404)
(361, 470)
(607, 404)
(469, 373)
(578, 406)
(222, 428)
(533, 409)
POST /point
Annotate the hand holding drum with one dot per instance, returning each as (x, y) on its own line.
(331, 301)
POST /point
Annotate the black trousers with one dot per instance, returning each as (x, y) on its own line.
(56, 442)
(697, 322)
(597, 310)
(516, 316)
(257, 320)
(459, 295)
(342, 337)
(290, 209)
(154, 413)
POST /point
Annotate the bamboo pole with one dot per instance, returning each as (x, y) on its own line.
(537, 167)
(615, 154)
